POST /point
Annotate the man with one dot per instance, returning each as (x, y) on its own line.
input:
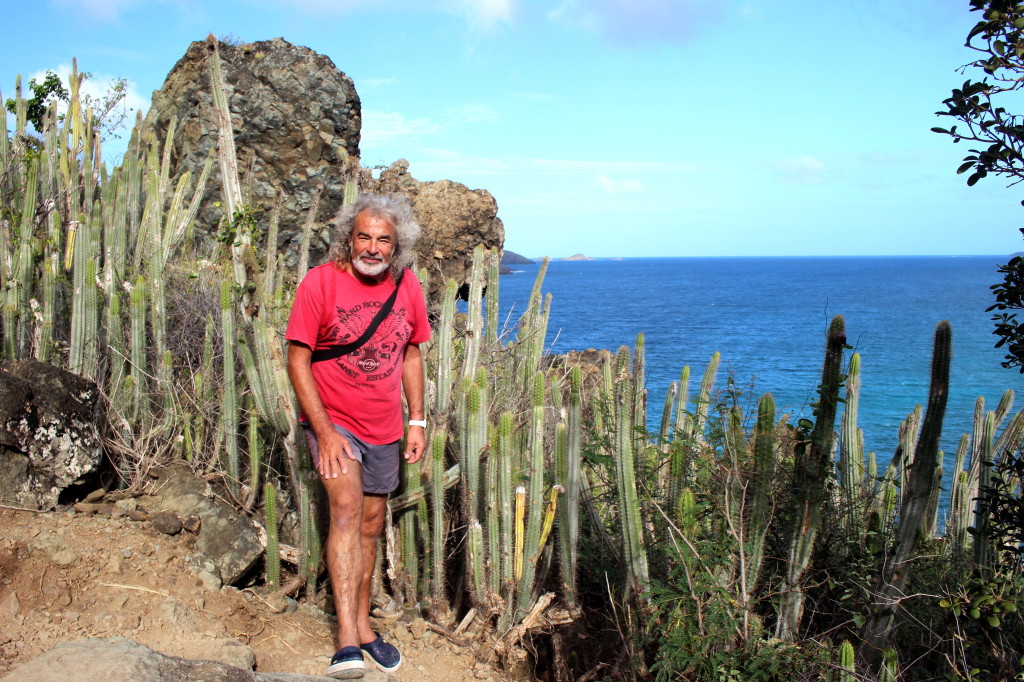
(352, 403)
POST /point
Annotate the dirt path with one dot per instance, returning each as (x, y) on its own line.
(68, 576)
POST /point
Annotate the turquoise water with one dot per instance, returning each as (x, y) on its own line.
(768, 318)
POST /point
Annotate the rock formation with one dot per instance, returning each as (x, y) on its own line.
(49, 436)
(118, 658)
(227, 542)
(296, 121)
(454, 219)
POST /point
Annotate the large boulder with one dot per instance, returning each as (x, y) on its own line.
(49, 433)
(117, 658)
(296, 121)
(454, 219)
(228, 539)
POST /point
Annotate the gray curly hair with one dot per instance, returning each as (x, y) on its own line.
(393, 208)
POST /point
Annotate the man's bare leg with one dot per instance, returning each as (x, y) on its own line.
(345, 551)
(374, 507)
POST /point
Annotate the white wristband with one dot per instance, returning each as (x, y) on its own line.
(418, 422)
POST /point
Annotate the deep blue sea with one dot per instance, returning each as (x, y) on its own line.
(768, 318)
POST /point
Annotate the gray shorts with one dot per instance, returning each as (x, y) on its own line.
(379, 462)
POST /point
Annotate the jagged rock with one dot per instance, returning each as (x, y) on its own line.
(454, 219)
(296, 121)
(226, 537)
(49, 436)
(118, 658)
(166, 522)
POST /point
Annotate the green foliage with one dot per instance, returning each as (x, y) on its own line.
(984, 619)
(998, 135)
(50, 90)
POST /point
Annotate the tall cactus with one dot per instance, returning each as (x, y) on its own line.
(914, 510)
(273, 558)
(631, 525)
(851, 447)
(569, 477)
(811, 470)
(765, 463)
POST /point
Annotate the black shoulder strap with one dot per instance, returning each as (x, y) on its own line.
(332, 352)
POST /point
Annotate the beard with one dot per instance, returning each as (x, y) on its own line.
(369, 269)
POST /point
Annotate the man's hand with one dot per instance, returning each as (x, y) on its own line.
(334, 453)
(415, 444)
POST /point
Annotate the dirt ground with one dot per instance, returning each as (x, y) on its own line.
(68, 576)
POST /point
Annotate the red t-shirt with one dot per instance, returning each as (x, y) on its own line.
(361, 391)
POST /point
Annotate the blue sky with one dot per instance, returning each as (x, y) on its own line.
(617, 127)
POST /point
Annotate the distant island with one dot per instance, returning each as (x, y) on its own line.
(510, 258)
(578, 256)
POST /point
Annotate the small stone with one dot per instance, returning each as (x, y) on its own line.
(95, 495)
(136, 515)
(208, 580)
(401, 633)
(127, 505)
(86, 508)
(126, 553)
(293, 605)
(418, 628)
(166, 522)
(192, 524)
(10, 606)
(277, 602)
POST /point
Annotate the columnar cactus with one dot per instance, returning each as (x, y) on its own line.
(811, 471)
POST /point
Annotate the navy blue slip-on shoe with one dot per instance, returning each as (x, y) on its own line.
(347, 664)
(386, 656)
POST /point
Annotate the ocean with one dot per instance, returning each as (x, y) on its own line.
(768, 318)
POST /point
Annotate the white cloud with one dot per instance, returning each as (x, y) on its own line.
(801, 170)
(471, 113)
(619, 186)
(448, 163)
(381, 127)
(639, 21)
(377, 83)
(480, 15)
(99, 10)
(484, 14)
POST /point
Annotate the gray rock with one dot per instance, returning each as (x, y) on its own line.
(53, 546)
(225, 650)
(49, 435)
(166, 522)
(117, 658)
(296, 121)
(228, 538)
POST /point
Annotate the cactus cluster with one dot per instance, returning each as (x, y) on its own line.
(525, 456)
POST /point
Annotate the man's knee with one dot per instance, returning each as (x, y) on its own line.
(345, 510)
(373, 515)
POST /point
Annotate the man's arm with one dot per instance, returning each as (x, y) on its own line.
(333, 447)
(412, 382)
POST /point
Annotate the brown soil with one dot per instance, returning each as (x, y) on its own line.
(124, 578)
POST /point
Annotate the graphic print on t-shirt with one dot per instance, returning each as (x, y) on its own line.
(378, 357)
